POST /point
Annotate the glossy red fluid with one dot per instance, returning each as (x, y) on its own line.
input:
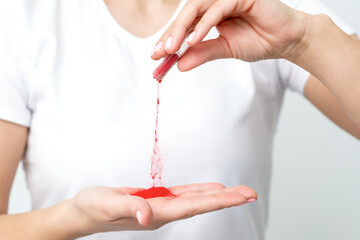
(165, 66)
(154, 192)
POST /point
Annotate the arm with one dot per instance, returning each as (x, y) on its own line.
(12, 145)
(321, 97)
(334, 58)
(101, 209)
(41, 224)
(253, 30)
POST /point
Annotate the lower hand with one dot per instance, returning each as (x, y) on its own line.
(104, 209)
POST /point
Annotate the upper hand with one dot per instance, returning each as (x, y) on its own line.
(115, 209)
(250, 30)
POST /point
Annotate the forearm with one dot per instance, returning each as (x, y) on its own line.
(60, 222)
(334, 58)
(323, 99)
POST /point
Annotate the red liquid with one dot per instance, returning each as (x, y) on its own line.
(156, 161)
(165, 66)
(154, 192)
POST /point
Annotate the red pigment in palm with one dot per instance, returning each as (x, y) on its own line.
(154, 192)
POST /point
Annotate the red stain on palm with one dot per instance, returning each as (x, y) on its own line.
(154, 192)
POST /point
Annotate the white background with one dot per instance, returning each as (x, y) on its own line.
(315, 190)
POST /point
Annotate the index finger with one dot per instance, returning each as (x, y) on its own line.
(177, 31)
(181, 208)
(216, 13)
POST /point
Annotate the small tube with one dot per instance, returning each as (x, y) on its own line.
(169, 61)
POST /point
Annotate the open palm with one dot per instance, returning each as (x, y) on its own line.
(115, 209)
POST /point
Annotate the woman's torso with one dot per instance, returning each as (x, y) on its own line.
(93, 103)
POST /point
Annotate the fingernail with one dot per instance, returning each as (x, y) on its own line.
(251, 200)
(190, 37)
(238, 205)
(156, 48)
(168, 43)
(138, 216)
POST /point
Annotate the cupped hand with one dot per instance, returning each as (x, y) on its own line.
(115, 209)
(250, 30)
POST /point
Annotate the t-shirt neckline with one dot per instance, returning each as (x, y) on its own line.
(121, 32)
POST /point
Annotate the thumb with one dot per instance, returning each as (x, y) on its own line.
(134, 207)
(204, 52)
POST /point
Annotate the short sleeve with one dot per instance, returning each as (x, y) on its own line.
(13, 82)
(292, 76)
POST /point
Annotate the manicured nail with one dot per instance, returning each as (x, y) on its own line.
(251, 200)
(138, 216)
(190, 37)
(156, 48)
(168, 43)
(241, 204)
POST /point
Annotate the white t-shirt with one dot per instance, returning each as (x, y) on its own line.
(84, 87)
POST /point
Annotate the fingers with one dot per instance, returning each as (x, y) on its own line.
(178, 190)
(202, 198)
(217, 12)
(212, 13)
(204, 52)
(220, 10)
(195, 205)
(173, 37)
(201, 192)
(245, 190)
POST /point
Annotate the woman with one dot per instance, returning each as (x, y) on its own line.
(76, 89)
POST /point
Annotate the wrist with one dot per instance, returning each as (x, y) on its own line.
(67, 222)
(318, 29)
(302, 41)
(322, 44)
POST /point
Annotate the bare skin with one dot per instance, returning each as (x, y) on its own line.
(101, 209)
(323, 99)
(315, 91)
(142, 18)
(252, 30)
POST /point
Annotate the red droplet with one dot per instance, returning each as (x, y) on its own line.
(154, 192)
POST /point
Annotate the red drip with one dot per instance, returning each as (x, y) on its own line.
(165, 66)
(156, 160)
(154, 192)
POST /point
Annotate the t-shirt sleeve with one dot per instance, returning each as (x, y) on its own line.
(13, 79)
(292, 76)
